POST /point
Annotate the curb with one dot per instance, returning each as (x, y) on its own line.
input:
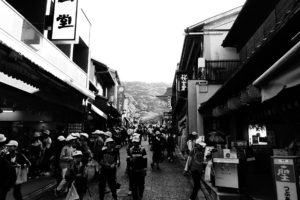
(37, 193)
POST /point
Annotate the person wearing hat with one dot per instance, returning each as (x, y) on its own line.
(58, 144)
(78, 174)
(157, 147)
(100, 137)
(137, 161)
(195, 165)
(84, 148)
(21, 164)
(48, 149)
(7, 171)
(108, 161)
(35, 155)
(66, 158)
(191, 141)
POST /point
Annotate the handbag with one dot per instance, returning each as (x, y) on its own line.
(21, 173)
(72, 194)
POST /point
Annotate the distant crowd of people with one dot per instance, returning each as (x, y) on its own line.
(67, 158)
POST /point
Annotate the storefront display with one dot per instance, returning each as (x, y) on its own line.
(226, 172)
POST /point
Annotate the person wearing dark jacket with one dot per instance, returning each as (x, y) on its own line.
(20, 162)
(137, 168)
(157, 147)
(170, 146)
(108, 161)
(7, 171)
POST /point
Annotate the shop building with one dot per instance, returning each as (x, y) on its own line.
(262, 95)
(44, 82)
(204, 66)
(108, 99)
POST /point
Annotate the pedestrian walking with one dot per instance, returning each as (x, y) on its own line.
(59, 143)
(78, 174)
(195, 165)
(7, 171)
(36, 155)
(21, 164)
(190, 145)
(170, 146)
(66, 159)
(108, 161)
(157, 147)
(137, 168)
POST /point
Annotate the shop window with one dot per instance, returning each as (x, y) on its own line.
(257, 134)
(81, 55)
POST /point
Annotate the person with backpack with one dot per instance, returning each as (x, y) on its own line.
(195, 165)
(137, 161)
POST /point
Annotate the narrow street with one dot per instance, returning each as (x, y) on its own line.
(165, 184)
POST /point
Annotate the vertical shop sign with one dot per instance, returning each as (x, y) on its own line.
(64, 20)
(182, 80)
(170, 102)
(285, 178)
(120, 100)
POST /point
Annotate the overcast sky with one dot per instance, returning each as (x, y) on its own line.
(143, 39)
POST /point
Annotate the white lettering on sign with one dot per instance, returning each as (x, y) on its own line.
(183, 79)
(283, 161)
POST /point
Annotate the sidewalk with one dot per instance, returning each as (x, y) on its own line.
(34, 188)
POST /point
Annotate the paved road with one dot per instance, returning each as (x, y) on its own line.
(165, 184)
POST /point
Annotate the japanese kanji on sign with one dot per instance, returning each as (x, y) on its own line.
(182, 82)
(285, 178)
(64, 20)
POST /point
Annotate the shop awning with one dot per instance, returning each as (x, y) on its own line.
(281, 75)
(102, 103)
(98, 111)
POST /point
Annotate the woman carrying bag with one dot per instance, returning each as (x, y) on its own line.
(21, 164)
(195, 165)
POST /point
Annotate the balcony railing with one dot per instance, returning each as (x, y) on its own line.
(218, 71)
(20, 35)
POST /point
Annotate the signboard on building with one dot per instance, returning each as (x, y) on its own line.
(170, 102)
(286, 178)
(75, 127)
(64, 20)
(121, 98)
(182, 82)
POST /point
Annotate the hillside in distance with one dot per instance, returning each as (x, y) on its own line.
(143, 101)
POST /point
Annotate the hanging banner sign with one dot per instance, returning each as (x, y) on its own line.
(182, 82)
(121, 98)
(64, 20)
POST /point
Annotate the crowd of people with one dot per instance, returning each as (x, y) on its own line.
(66, 157)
